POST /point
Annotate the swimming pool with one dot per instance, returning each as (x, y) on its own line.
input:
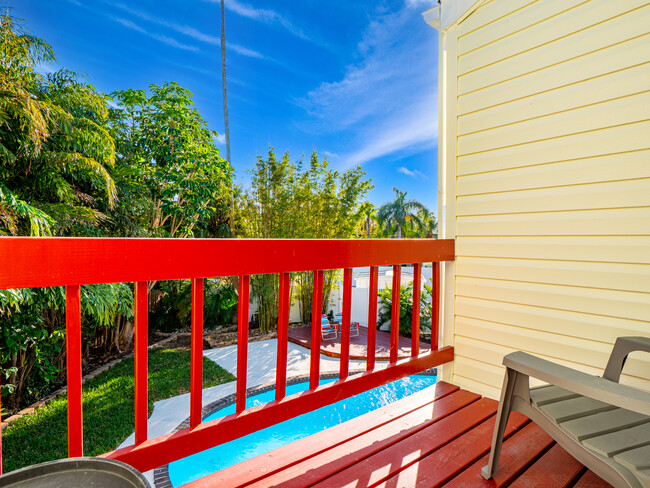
(233, 452)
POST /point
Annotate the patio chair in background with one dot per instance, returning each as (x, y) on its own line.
(354, 326)
(603, 424)
(327, 330)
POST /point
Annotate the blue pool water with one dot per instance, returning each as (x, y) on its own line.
(233, 452)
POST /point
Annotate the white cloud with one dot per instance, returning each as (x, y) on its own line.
(187, 30)
(165, 39)
(266, 16)
(412, 132)
(330, 155)
(412, 173)
(386, 101)
(425, 4)
(220, 139)
(244, 51)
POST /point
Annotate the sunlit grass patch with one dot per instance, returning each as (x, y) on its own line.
(108, 409)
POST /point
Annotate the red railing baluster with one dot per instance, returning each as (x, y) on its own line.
(345, 324)
(283, 336)
(73, 365)
(317, 307)
(394, 318)
(415, 327)
(196, 362)
(141, 300)
(435, 306)
(372, 318)
(242, 341)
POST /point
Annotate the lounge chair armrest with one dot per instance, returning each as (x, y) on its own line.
(581, 383)
(623, 347)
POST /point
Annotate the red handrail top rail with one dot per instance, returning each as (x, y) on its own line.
(27, 262)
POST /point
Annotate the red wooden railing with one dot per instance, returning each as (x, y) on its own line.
(71, 262)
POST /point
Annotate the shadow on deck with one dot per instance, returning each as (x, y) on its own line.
(430, 439)
(358, 344)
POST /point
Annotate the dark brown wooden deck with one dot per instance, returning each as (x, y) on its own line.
(358, 344)
(430, 439)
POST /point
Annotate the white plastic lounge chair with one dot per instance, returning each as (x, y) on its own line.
(327, 330)
(603, 424)
(354, 326)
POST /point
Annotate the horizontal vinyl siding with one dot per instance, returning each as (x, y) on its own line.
(552, 185)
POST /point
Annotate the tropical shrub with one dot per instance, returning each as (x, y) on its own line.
(406, 308)
(175, 308)
(32, 336)
(220, 303)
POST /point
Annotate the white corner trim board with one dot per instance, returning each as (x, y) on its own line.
(449, 12)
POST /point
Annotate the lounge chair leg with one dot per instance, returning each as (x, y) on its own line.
(505, 405)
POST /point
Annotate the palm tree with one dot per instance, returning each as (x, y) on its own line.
(399, 213)
(369, 217)
(223, 80)
(429, 224)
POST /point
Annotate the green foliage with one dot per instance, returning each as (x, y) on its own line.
(173, 155)
(32, 333)
(108, 405)
(287, 201)
(55, 145)
(405, 309)
(219, 304)
(30, 344)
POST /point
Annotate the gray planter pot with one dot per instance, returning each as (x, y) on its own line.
(76, 472)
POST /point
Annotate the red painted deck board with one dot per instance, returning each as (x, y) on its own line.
(320, 468)
(379, 469)
(433, 438)
(358, 344)
(590, 480)
(555, 469)
(450, 460)
(518, 452)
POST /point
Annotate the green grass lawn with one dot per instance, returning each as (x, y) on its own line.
(108, 409)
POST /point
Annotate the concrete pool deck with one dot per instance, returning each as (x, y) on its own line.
(169, 413)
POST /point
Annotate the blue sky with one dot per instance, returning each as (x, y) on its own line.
(354, 79)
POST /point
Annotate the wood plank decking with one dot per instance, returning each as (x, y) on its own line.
(358, 344)
(433, 438)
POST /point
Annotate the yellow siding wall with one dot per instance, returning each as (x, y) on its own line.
(552, 185)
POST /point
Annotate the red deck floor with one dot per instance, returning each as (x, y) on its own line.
(358, 344)
(427, 440)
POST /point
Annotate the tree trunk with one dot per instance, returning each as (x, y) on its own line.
(399, 231)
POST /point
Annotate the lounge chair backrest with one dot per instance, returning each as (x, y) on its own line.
(327, 330)
(354, 326)
(325, 323)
